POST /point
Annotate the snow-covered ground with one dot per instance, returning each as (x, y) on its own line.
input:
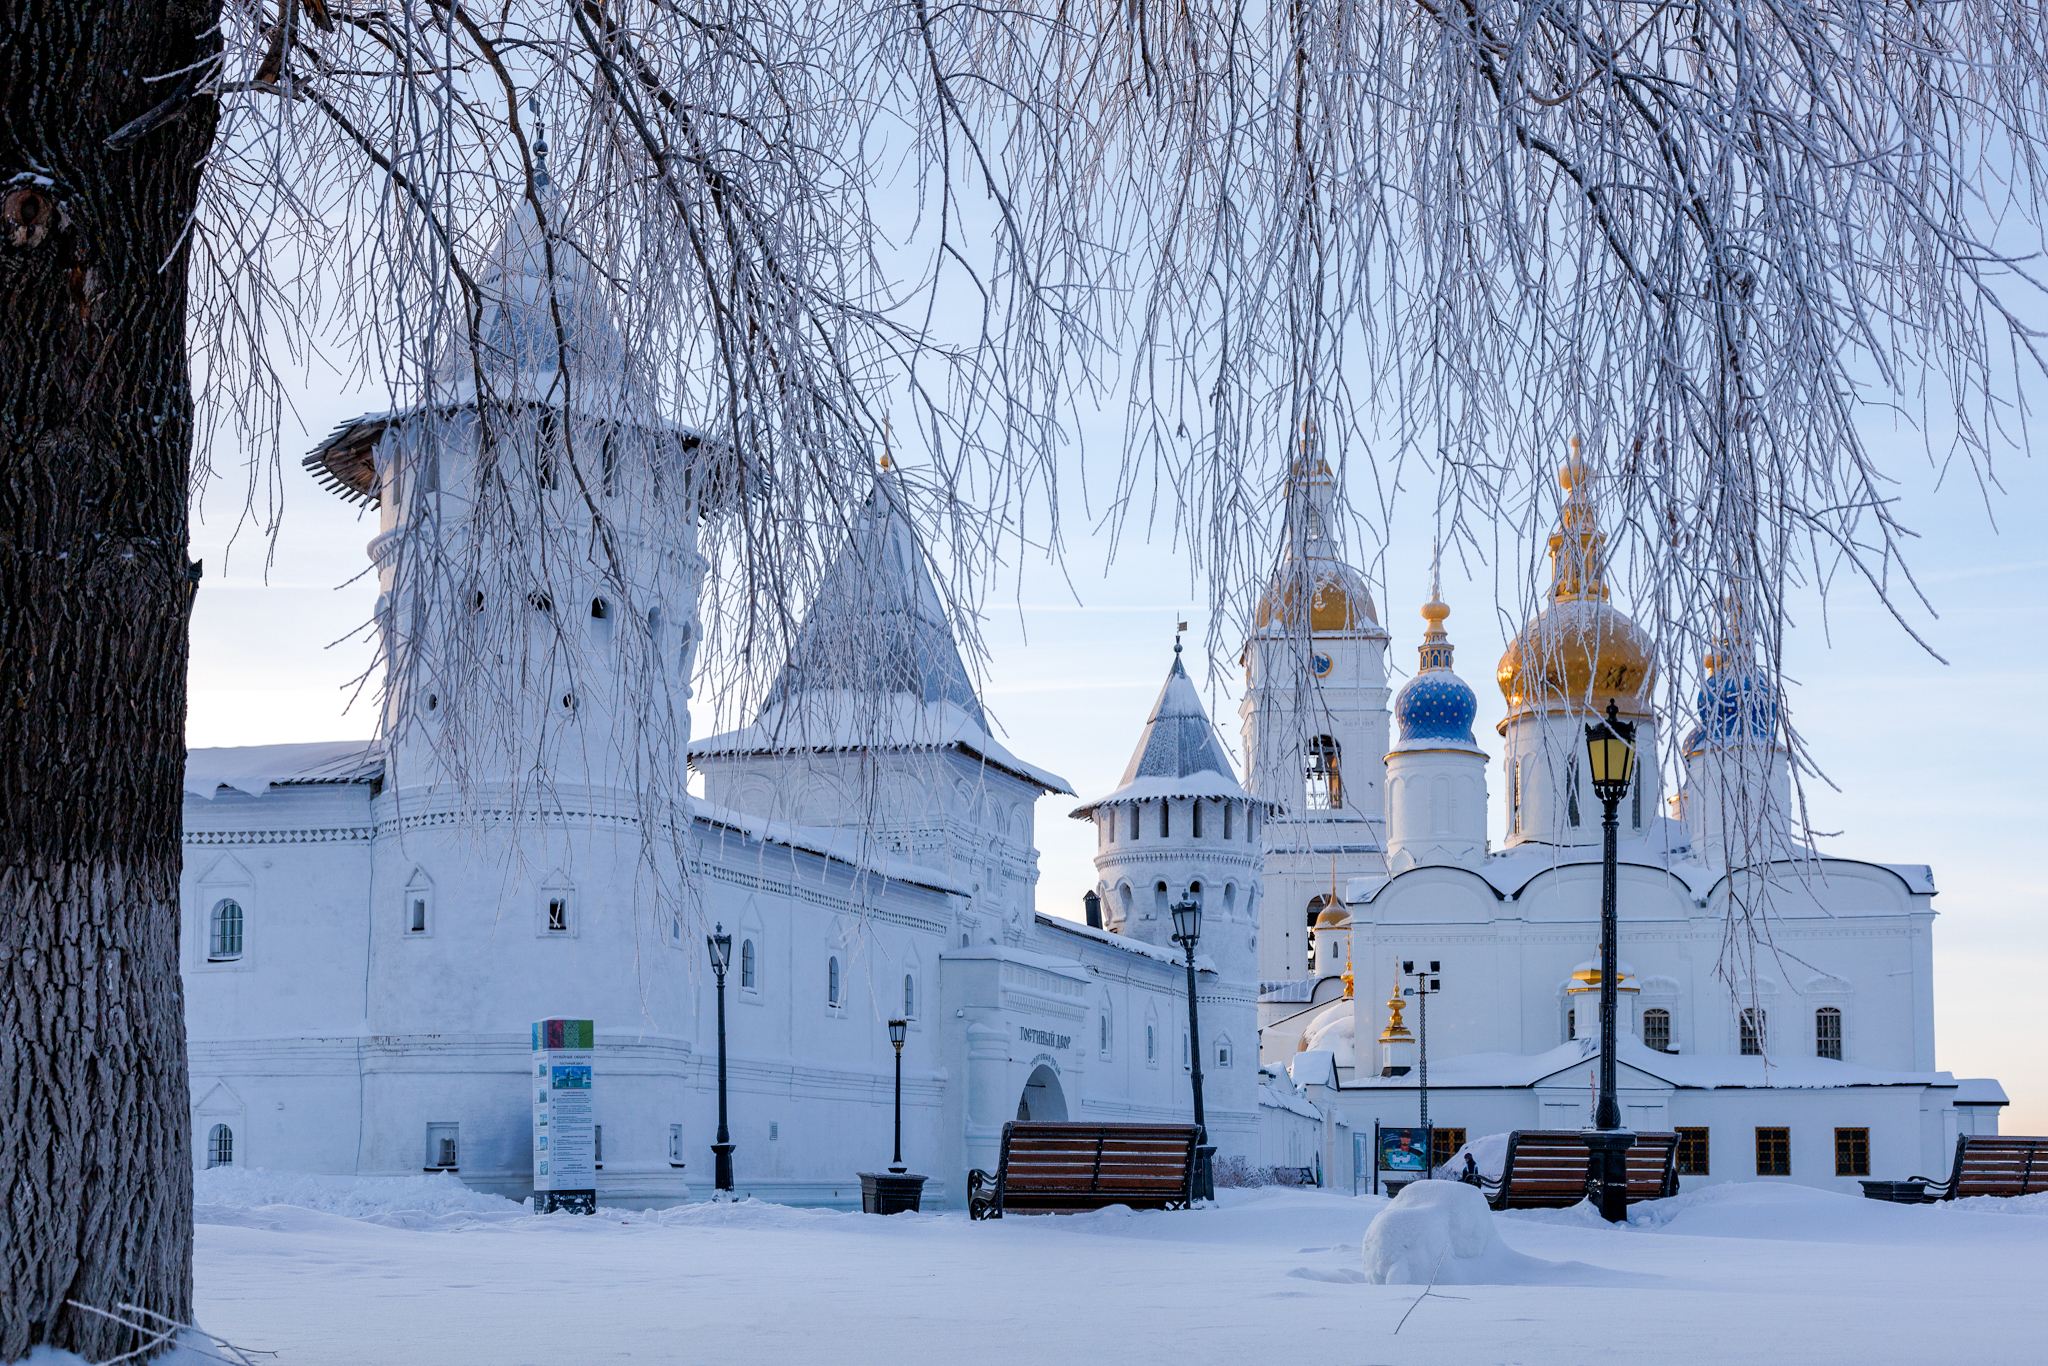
(422, 1270)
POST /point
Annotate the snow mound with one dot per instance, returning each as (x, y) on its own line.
(388, 1198)
(1443, 1233)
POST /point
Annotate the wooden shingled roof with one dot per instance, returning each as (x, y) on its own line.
(346, 462)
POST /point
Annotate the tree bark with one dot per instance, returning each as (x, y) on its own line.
(95, 598)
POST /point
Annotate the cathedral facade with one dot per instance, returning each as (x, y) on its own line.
(1804, 1051)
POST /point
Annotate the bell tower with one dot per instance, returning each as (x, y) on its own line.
(1315, 724)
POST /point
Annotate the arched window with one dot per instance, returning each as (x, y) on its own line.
(748, 981)
(1315, 908)
(909, 996)
(1223, 1052)
(1325, 776)
(1102, 1029)
(1165, 818)
(1159, 901)
(600, 621)
(1657, 1029)
(220, 1146)
(1571, 790)
(1514, 796)
(1228, 809)
(1755, 1031)
(1827, 1033)
(1151, 1043)
(1571, 1024)
(1134, 822)
(608, 461)
(1196, 828)
(224, 943)
(832, 983)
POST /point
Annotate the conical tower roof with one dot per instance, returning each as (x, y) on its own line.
(1179, 753)
(875, 664)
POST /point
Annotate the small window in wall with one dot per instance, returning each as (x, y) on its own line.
(1827, 1033)
(1773, 1152)
(608, 461)
(1165, 819)
(1571, 1023)
(909, 996)
(558, 914)
(444, 1147)
(675, 1145)
(1183, 1050)
(1151, 1044)
(1444, 1145)
(1571, 790)
(1657, 1029)
(1514, 796)
(749, 980)
(220, 1146)
(1852, 1152)
(832, 982)
(1325, 776)
(1134, 822)
(1755, 1031)
(1692, 1152)
(224, 941)
(1102, 1031)
(1229, 809)
(1223, 1053)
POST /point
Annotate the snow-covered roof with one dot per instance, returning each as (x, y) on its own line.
(1979, 1091)
(1689, 1071)
(1124, 942)
(1664, 845)
(846, 720)
(1273, 1098)
(1179, 753)
(255, 769)
(852, 847)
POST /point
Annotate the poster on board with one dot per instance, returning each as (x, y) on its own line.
(1401, 1151)
(564, 1117)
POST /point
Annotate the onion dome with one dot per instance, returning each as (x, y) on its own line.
(1337, 599)
(1581, 652)
(1736, 706)
(1436, 704)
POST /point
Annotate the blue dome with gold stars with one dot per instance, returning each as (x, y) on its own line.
(1436, 704)
(1734, 704)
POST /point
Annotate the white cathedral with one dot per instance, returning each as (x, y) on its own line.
(367, 942)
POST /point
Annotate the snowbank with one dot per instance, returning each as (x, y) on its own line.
(351, 1197)
(1442, 1233)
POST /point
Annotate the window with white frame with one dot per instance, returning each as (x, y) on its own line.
(444, 1147)
(220, 1146)
(418, 906)
(909, 996)
(1325, 774)
(1151, 1042)
(832, 982)
(1657, 1029)
(750, 979)
(224, 939)
(1223, 1052)
(558, 913)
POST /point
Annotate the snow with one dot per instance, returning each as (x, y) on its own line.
(254, 769)
(1735, 1273)
(1443, 1233)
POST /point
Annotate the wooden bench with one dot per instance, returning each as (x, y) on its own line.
(1551, 1169)
(1054, 1166)
(1985, 1164)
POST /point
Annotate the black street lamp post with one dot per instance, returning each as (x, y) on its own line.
(897, 1029)
(1426, 986)
(1187, 931)
(720, 944)
(1611, 747)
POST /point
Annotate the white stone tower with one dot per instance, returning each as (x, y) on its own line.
(1436, 772)
(1314, 725)
(874, 728)
(1559, 673)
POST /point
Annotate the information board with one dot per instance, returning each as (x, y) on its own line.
(564, 1117)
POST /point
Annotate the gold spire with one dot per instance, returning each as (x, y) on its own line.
(1577, 548)
(1395, 1030)
(1436, 642)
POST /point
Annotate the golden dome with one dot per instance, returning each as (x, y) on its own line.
(1580, 652)
(1334, 916)
(1340, 600)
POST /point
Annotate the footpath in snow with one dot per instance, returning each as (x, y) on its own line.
(423, 1270)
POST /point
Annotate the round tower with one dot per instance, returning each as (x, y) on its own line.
(1180, 825)
(1436, 772)
(1738, 792)
(1559, 673)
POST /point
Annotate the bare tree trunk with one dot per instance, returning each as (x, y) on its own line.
(95, 597)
